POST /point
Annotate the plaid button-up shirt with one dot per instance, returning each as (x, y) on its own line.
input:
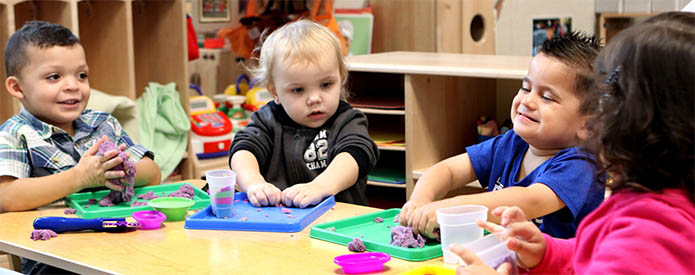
(30, 147)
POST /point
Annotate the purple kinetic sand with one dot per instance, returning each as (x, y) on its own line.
(138, 203)
(403, 236)
(438, 233)
(378, 220)
(397, 218)
(286, 211)
(108, 200)
(185, 191)
(356, 245)
(43, 234)
(509, 258)
(148, 196)
(69, 211)
(128, 181)
(90, 202)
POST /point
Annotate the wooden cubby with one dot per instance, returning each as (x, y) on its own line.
(443, 94)
(7, 103)
(610, 24)
(106, 34)
(128, 43)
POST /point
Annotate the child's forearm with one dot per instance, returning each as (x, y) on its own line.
(443, 177)
(30, 193)
(147, 172)
(245, 165)
(433, 185)
(536, 200)
(340, 174)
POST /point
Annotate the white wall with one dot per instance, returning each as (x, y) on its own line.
(514, 28)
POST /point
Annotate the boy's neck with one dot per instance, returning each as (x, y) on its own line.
(533, 158)
(542, 153)
(68, 128)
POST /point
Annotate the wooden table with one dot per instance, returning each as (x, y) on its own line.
(175, 250)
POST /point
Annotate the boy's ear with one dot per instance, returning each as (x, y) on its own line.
(13, 87)
(273, 91)
(583, 132)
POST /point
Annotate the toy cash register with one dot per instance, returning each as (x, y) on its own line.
(212, 131)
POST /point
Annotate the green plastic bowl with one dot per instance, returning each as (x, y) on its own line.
(174, 208)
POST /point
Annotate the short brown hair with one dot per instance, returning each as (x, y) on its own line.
(577, 51)
(34, 33)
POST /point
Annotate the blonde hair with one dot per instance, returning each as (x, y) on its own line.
(301, 40)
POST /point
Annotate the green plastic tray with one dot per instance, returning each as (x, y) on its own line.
(375, 236)
(78, 201)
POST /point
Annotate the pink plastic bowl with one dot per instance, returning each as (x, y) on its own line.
(362, 262)
(149, 219)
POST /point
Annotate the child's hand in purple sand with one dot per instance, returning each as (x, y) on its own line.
(408, 210)
(92, 169)
(263, 194)
(423, 219)
(303, 195)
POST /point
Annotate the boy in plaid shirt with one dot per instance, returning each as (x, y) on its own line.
(49, 149)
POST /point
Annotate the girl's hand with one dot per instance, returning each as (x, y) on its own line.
(303, 195)
(93, 169)
(508, 215)
(263, 194)
(528, 242)
(475, 265)
(524, 237)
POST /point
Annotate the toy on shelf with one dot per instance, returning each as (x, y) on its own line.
(212, 130)
(234, 111)
(256, 97)
(239, 88)
(487, 129)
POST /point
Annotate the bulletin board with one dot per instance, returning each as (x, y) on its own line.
(363, 25)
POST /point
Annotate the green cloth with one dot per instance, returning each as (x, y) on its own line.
(164, 125)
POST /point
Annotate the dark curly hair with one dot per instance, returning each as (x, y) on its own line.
(34, 33)
(577, 51)
(643, 132)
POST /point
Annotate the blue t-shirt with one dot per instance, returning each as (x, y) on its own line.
(568, 173)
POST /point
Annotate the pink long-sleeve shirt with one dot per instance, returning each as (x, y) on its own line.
(630, 233)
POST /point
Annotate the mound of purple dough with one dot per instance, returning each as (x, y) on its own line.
(404, 237)
(42, 234)
(185, 191)
(128, 181)
(356, 245)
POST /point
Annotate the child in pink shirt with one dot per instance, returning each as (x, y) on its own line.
(643, 137)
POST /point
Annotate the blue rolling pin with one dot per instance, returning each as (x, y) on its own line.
(62, 224)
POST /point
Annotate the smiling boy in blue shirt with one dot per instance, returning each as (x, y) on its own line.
(537, 165)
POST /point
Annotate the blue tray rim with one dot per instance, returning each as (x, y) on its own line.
(196, 220)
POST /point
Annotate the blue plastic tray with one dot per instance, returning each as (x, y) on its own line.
(248, 218)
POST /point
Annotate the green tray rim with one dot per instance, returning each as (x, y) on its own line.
(321, 232)
(201, 199)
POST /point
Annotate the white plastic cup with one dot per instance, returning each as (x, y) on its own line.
(492, 249)
(457, 234)
(457, 226)
(461, 214)
(221, 185)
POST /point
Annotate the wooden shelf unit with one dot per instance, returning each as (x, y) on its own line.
(128, 43)
(610, 24)
(444, 94)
